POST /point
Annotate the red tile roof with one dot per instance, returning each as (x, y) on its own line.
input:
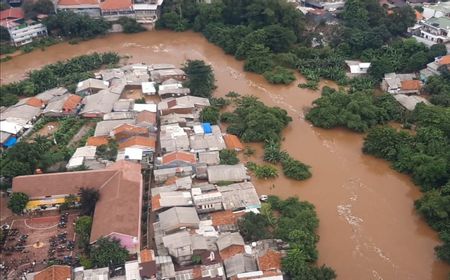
(138, 141)
(147, 255)
(54, 272)
(270, 261)
(221, 218)
(97, 141)
(233, 142)
(116, 5)
(156, 205)
(411, 85)
(77, 2)
(445, 60)
(179, 156)
(131, 129)
(12, 13)
(231, 251)
(71, 102)
(146, 116)
(35, 102)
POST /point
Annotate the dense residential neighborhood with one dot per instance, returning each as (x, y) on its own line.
(161, 156)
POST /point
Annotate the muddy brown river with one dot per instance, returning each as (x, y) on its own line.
(368, 226)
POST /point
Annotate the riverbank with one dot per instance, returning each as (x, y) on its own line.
(368, 226)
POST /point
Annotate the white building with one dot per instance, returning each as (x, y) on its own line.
(22, 34)
(432, 31)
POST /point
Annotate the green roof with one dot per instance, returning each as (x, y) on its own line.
(442, 22)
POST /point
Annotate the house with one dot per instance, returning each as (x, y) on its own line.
(147, 119)
(148, 88)
(435, 30)
(172, 88)
(145, 107)
(401, 83)
(98, 104)
(64, 105)
(165, 267)
(147, 12)
(182, 105)
(233, 143)
(173, 138)
(146, 144)
(147, 264)
(177, 218)
(110, 74)
(225, 221)
(177, 158)
(97, 141)
(208, 201)
(125, 131)
(162, 66)
(410, 102)
(181, 246)
(210, 140)
(165, 200)
(114, 9)
(269, 263)
(49, 95)
(161, 175)
(88, 7)
(21, 31)
(123, 105)
(434, 68)
(357, 67)
(230, 244)
(98, 273)
(209, 158)
(227, 173)
(184, 120)
(91, 86)
(119, 116)
(162, 75)
(117, 212)
(81, 154)
(241, 265)
(104, 128)
(54, 272)
(239, 196)
(24, 113)
(437, 10)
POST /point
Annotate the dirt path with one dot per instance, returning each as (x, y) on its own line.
(83, 130)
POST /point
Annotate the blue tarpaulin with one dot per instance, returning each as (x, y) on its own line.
(10, 142)
(207, 128)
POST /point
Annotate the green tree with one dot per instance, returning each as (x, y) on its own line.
(88, 199)
(17, 202)
(200, 78)
(130, 25)
(259, 59)
(279, 75)
(210, 114)
(83, 227)
(254, 227)
(295, 169)
(228, 157)
(108, 252)
(4, 34)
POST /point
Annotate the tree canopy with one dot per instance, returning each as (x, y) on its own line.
(228, 157)
(108, 252)
(17, 202)
(200, 78)
(74, 25)
(88, 200)
(83, 230)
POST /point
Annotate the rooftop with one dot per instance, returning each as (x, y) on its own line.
(77, 2)
(54, 272)
(97, 141)
(116, 5)
(140, 141)
(179, 156)
(12, 13)
(232, 173)
(233, 142)
(177, 217)
(441, 22)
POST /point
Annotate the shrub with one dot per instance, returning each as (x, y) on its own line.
(228, 157)
(17, 202)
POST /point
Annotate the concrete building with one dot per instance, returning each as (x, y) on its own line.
(401, 83)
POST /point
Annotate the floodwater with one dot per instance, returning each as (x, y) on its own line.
(368, 226)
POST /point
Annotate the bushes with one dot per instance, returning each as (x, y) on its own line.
(210, 115)
(280, 75)
(130, 25)
(295, 169)
(72, 25)
(17, 202)
(264, 171)
(228, 157)
(200, 78)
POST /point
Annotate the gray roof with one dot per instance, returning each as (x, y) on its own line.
(103, 128)
(228, 239)
(109, 74)
(123, 105)
(239, 263)
(48, 95)
(179, 244)
(177, 217)
(163, 174)
(4, 136)
(101, 102)
(92, 274)
(393, 80)
(410, 102)
(441, 22)
(174, 92)
(232, 173)
(210, 158)
(174, 198)
(162, 66)
(184, 102)
(178, 118)
(207, 142)
(166, 267)
(119, 116)
(240, 195)
(91, 84)
(21, 114)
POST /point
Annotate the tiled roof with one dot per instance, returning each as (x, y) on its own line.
(77, 2)
(12, 13)
(138, 141)
(156, 205)
(128, 128)
(231, 251)
(54, 272)
(35, 102)
(221, 218)
(270, 261)
(445, 60)
(147, 255)
(146, 116)
(97, 141)
(116, 5)
(233, 142)
(410, 85)
(179, 155)
(72, 102)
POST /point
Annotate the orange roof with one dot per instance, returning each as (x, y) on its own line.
(146, 116)
(179, 155)
(116, 5)
(147, 255)
(138, 141)
(12, 13)
(35, 102)
(419, 16)
(77, 2)
(445, 60)
(270, 261)
(156, 205)
(411, 85)
(233, 142)
(129, 128)
(197, 273)
(54, 272)
(221, 218)
(97, 141)
(71, 102)
(233, 250)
